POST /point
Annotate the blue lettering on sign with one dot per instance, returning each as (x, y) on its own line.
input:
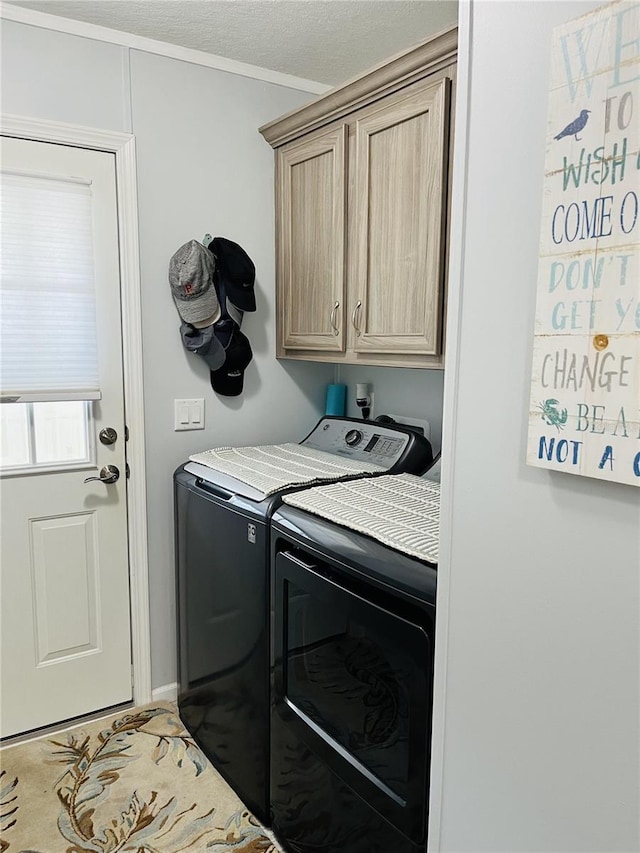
(580, 221)
(576, 46)
(629, 212)
(636, 465)
(595, 167)
(607, 456)
(561, 450)
(582, 314)
(585, 275)
(622, 58)
(584, 74)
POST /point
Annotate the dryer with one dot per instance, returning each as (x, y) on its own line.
(354, 571)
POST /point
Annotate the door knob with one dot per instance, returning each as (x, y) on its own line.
(109, 474)
(108, 435)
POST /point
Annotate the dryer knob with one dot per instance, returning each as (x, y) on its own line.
(353, 438)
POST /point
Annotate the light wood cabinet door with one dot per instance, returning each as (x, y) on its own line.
(311, 184)
(400, 215)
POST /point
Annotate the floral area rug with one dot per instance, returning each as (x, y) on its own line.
(135, 782)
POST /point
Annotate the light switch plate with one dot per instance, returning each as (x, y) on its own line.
(188, 414)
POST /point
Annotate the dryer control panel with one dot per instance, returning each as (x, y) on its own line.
(391, 446)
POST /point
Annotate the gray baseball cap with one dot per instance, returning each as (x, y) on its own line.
(204, 343)
(191, 271)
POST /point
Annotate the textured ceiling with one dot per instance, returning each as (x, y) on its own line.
(328, 41)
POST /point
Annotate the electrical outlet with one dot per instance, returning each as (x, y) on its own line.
(188, 414)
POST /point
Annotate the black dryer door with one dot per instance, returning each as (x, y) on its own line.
(354, 680)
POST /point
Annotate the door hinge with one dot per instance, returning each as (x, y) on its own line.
(126, 433)
(127, 470)
(132, 678)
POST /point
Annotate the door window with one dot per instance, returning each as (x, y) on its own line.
(48, 338)
(45, 436)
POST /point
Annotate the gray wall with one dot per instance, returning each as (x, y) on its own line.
(203, 167)
(541, 733)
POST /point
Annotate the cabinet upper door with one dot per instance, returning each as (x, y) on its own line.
(400, 191)
(311, 241)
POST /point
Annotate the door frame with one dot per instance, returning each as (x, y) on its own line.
(450, 424)
(122, 145)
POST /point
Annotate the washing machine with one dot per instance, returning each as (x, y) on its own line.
(354, 575)
(224, 501)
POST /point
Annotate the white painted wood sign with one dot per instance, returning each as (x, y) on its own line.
(584, 412)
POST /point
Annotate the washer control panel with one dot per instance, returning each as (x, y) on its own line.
(390, 446)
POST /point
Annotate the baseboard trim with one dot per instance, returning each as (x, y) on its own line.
(166, 693)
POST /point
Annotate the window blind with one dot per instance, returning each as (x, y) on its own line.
(48, 342)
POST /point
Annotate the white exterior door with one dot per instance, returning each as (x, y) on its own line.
(65, 607)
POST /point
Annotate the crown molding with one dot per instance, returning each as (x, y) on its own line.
(425, 58)
(44, 20)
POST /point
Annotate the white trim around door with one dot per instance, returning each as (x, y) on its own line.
(123, 146)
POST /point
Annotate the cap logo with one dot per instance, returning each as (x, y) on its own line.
(188, 289)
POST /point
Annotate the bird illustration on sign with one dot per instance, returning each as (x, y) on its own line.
(574, 127)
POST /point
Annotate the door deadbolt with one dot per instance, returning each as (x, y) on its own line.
(108, 435)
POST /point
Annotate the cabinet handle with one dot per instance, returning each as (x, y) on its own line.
(354, 315)
(332, 318)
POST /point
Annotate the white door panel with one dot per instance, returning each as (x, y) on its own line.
(66, 637)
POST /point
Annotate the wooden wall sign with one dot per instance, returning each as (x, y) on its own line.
(584, 411)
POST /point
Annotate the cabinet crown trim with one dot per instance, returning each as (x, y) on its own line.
(424, 58)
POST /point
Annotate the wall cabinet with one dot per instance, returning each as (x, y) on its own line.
(311, 211)
(362, 178)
